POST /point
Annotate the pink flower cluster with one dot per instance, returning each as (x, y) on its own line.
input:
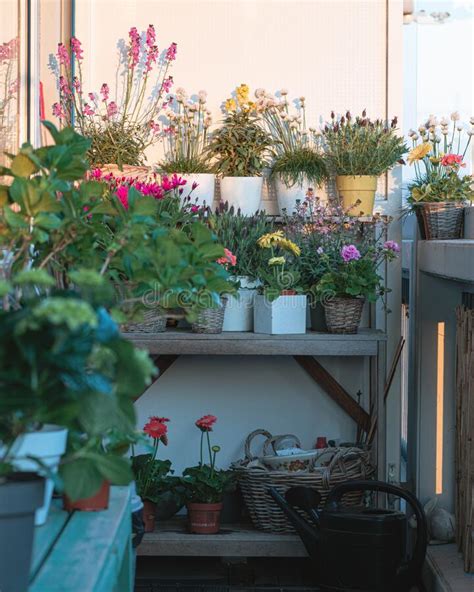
(206, 423)
(391, 246)
(452, 160)
(350, 253)
(229, 259)
(9, 51)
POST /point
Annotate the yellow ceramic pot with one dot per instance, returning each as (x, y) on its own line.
(357, 193)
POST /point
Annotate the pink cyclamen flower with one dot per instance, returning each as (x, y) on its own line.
(96, 174)
(350, 253)
(169, 183)
(88, 110)
(76, 48)
(171, 52)
(63, 55)
(392, 246)
(194, 209)
(206, 423)
(452, 160)
(228, 259)
(104, 91)
(58, 111)
(112, 109)
(122, 194)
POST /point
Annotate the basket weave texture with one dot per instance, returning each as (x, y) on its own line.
(340, 465)
(154, 321)
(440, 220)
(343, 314)
(210, 320)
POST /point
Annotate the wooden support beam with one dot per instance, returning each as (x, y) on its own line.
(335, 391)
(162, 364)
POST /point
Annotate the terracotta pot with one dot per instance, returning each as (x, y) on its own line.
(288, 293)
(204, 518)
(94, 503)
(149, 515)
(358, 188)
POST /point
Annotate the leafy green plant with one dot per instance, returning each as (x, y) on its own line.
(436, 189)
(240, 146)
(300, 165)
(360, 146)
(204, 483)
(63, 361)
(239, 234)
(186, 134)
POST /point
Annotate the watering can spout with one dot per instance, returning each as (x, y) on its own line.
(308, 532)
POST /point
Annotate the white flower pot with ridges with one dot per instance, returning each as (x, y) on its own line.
(203, 195)
(243, 193)
(469, 222)
(289, 197)
(284, 316)
(239, 311)
(48, 445)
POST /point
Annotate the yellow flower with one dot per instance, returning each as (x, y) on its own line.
(242, 93)
(277, 261)
(272, 238)
(288, 245)
(230, 105)
(419, 152)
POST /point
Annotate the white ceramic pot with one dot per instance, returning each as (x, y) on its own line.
(469, 222)
(288, 197)
(239, 311)
(285, 315)
(243, 193)
(48, 445)
(203, 195)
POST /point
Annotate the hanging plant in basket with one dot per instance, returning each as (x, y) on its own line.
(440, 190)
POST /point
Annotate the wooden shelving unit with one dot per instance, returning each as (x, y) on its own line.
(234, 540)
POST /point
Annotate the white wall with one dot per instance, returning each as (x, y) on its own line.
(333, 52)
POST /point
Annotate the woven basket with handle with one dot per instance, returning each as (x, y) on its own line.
(210, 320)
(343, 314)
(338, 465)
(153, 318)
(440, 220)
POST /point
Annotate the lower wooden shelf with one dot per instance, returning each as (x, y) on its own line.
(234, 540)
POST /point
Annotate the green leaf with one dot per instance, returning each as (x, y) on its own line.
(81, 478)
(22, 166)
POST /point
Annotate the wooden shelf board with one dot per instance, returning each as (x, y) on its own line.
(183, 342)
(234, 540)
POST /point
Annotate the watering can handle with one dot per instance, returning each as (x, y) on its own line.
(416, 562)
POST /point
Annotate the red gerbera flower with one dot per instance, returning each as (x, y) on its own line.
(206, 422)
(157, 429)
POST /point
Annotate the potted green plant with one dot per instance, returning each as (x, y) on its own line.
(439, 192)
(351, 278)
(119, 132)
(240, 234)
(240, 147)
(298, 162)
(205, 485)
(186, 137)
(359, 150)
(280, 308)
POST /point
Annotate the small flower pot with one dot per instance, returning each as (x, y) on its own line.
(149, 515)
(285, 315)
(440, 220)
(354, 189)
(21, 494)
(343, 314)
(203, 194)
(47, 444)
(242, 193)
(204, 518)
(289, 198)
(94, 503)
(210, 320)
(238, 314)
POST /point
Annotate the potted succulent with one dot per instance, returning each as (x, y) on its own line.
(186, 136)
(439, 192)
(119, 131)
(351, 278)
(240, 234)
(240, 147)
(279, 307)
(298, 162)
(359, 150)
(205, 485)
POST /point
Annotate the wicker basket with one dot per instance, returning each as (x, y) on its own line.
(440, 220)
(343, 314)
(154, 321)
(210, 320)
(341, 465)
